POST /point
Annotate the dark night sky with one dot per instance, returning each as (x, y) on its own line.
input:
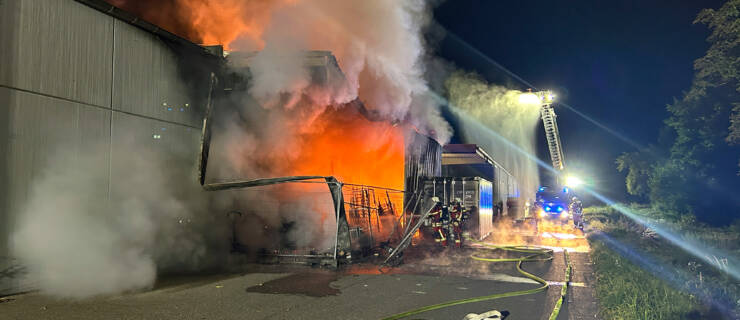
(619, 62)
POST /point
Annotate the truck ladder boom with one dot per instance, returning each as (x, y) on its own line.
(553, 136)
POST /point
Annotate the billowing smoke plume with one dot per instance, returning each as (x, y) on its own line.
(378, 45)
(93, 228)
(83, 234)
(512, 124)
(287, 124)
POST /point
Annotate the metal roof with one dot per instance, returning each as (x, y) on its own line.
(458, 154)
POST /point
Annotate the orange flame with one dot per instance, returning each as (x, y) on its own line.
(207, 22)
(338, 142)
(344, 144)
(355, 150)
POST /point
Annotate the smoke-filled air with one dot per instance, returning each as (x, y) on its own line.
(501, 110)
(94, 227)
(88, 230)
(81, 237)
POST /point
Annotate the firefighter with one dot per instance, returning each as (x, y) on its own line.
(458, 215)
(437, 216)
(576, 209)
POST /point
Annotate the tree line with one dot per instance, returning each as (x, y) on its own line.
(694, 168)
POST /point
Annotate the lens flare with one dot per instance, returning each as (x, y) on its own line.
(573, 181)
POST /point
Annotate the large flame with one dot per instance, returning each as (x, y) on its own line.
(378, 47)
(207, 22)
(342, 143)
(346, 145)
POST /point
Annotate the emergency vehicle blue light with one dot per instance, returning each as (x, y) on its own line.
(542, 189)
(565, 190)
(548, 208)
(559, 209)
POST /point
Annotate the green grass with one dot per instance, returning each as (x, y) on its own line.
(626, 291)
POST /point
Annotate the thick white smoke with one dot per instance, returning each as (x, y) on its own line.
(77, 240)
(379, 47)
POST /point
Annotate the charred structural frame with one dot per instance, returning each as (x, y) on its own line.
(342, 244)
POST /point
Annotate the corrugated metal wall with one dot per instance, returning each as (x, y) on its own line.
(72, 77)
(422, 159)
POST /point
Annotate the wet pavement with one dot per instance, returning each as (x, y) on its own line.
(358, 292)
(312, 284)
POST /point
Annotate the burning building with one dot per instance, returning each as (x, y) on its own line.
(105, 114)
(378, 162)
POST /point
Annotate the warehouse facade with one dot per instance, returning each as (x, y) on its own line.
(81, 75)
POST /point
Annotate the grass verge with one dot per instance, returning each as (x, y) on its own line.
(642, 276)
(626, 291)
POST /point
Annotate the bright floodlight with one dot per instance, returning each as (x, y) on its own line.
(573, 181)
(546, 97)
(541, 98)
(529, 98)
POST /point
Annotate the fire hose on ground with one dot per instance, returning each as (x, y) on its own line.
(564, 290)
(533, 254)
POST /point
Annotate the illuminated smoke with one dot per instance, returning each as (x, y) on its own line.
(296, 127)
(378, 45)
(207, 22)
(501, 110)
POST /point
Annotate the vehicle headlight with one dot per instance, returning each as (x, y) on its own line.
(542, 213)
(564, 214)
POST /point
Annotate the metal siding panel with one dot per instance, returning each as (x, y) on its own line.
(40, 127)
(175, 150)
(58, 48)
(9, 15)
(146, 78)
(4, 187)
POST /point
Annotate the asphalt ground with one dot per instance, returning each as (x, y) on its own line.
(357, 292)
